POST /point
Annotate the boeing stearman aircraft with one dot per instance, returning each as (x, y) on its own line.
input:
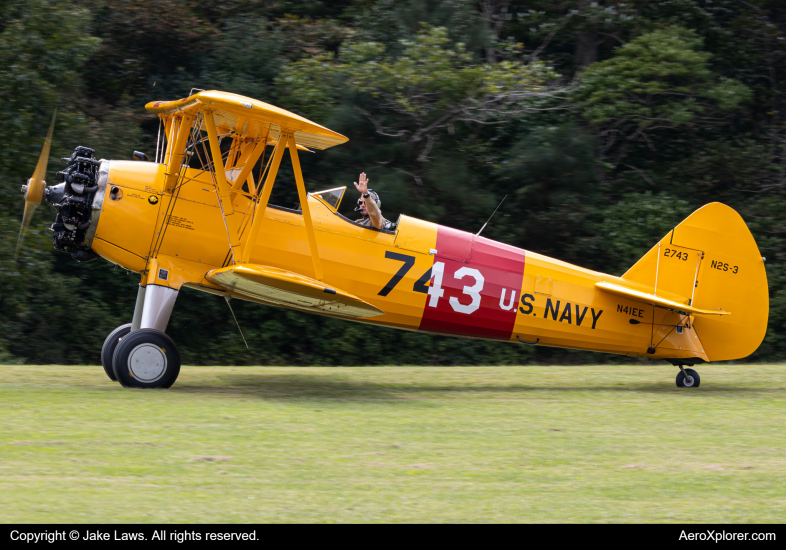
(197, 217)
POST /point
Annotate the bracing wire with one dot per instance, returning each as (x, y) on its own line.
(227, 298)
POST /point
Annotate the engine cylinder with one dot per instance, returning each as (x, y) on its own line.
(73, 198)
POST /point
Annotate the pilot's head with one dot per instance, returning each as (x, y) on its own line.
(361, 207)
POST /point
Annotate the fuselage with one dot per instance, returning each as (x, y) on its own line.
(424, 276)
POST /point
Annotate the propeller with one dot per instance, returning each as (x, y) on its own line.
(34, 190)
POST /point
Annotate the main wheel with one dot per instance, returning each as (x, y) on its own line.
(692, 380)
(146, 358)
(108, 349)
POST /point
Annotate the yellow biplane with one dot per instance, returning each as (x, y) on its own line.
(197, 217)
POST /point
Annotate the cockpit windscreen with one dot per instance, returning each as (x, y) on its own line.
(332, 196)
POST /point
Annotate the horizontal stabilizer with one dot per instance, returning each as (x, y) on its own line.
(656, 300)
(285, 288)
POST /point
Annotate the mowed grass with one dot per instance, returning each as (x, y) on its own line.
(398, 444)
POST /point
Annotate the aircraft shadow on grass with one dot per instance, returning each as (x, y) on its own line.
(330, 387)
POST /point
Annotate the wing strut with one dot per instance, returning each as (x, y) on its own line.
(178, 152)
(232, 222)
(301, 191)
(259, 215)
(286, 139)
(250, 162)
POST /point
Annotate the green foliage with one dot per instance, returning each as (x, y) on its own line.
(248, 70)
(632, 226)
(43, 45)
(309, 86)
(435, 83)
(660, 80)
(550, 159)
(548, 175)
(432, 85)
(142, 38)
(450, 105)
(47, 314)
(720, 170)
(431, 73)
(388, 21)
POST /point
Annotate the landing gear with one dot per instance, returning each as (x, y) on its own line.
(108, 349)
(687, 378)
(140, 354)
(146, 358)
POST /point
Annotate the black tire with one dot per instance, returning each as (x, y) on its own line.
(108, 349)
(692, 384)
(152, 353)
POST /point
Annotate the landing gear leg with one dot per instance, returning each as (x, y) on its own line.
(147, 357)
(159, 301)
(136, 322)
(687, 378)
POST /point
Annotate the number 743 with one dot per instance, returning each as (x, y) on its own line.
(435, 290)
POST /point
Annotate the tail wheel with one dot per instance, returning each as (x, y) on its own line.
(146, 358)
(688, 378)
(108, 349)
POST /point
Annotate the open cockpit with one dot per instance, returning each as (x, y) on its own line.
(331, 198)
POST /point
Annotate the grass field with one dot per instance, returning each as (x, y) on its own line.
(403, 444)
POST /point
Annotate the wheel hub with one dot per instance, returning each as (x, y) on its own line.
(147, 362)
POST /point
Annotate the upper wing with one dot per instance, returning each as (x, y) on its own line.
(250, 118)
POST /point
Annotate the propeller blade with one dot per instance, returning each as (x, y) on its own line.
(28, 215)
(35, 187)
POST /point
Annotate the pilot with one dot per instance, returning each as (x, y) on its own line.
(369, 206)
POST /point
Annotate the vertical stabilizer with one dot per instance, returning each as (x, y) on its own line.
(711, 261)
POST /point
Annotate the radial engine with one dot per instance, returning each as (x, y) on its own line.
(74, 198)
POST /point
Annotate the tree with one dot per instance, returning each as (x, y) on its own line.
(42, 46)
(659, 81)
(444, 119)
(429, 89)
(435, 85)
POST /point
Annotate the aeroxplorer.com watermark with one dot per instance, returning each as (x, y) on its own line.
(719, 536)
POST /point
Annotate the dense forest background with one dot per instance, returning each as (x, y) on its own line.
(605, 124)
